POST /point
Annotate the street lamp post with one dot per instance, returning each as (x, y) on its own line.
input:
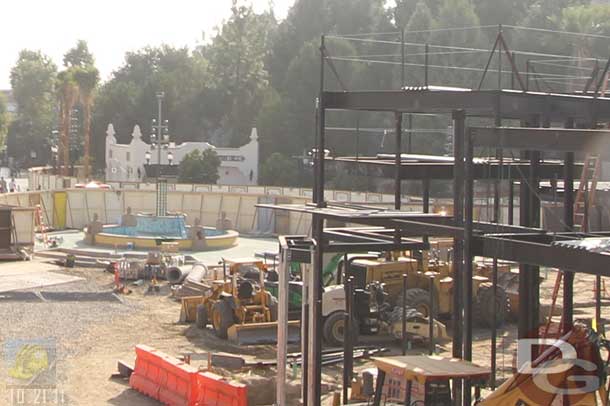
(160, 138)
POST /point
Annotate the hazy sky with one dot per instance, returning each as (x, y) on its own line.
(111, 27)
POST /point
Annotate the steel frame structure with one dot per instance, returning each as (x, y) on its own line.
(527, 243)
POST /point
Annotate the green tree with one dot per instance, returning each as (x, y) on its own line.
(199, 167)
(507, 12)
(405, 9)
(421, 20)
(79, 56)
(237, 65)
(279, 170)
(458, 13)
(33, 84)
(87, 78)
(4, 120)
(67, 94)
(128, 98)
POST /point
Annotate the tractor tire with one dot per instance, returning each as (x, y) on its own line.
(222, 318)
(333, 327)
(272, 304)
(395, 315)
(418, 299)
(483, 305)
(201, 316)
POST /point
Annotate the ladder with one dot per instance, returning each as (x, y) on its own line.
(585, 197)
(40, 227)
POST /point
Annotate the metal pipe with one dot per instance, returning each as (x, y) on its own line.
(397, 161)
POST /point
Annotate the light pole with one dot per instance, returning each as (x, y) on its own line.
(160, 138)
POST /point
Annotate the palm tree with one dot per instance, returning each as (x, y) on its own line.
(68, 95)
(86, 79)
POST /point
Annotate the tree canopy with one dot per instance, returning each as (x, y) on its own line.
(256, 70)
(199, 167)
(33, 84)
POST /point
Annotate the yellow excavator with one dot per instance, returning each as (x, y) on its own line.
(239, 307)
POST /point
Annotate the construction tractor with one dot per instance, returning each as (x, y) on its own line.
(239, 308)
(372, 314)
(418, 292)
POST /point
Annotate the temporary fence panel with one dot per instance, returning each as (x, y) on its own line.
(23, 225)
(191, 206)
(77, 213)
(60, 203)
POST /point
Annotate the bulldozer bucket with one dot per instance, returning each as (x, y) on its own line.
(419, 327)
(262, 333)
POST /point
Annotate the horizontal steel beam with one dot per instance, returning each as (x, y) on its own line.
(540, 254)
(542, 139)
(513, 104)
(444, 171)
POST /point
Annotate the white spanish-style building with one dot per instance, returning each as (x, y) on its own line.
(125, 162)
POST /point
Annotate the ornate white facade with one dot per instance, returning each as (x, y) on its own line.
(125, 162)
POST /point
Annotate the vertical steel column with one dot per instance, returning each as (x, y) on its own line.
(398, 161)
(426, 200)
(318, 195)
(459, 123)
(282, 328)
(402, 58)
(410, 133)
(305, 334)
(426, 51)
(314, 389)
(404, 315)
(348, 348)
(431, 316)
(534, 273)
(568, 219)
(459, 118)
(315, 315)
(511, 202)
(524, 220)
(468, 255)
(496, 219)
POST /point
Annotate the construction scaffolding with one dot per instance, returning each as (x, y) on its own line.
(562, 123)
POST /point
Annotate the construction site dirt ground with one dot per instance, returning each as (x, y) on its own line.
(92, 333)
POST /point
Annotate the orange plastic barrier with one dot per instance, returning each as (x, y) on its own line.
(162, 377)
(212, 390)
(175, 383)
